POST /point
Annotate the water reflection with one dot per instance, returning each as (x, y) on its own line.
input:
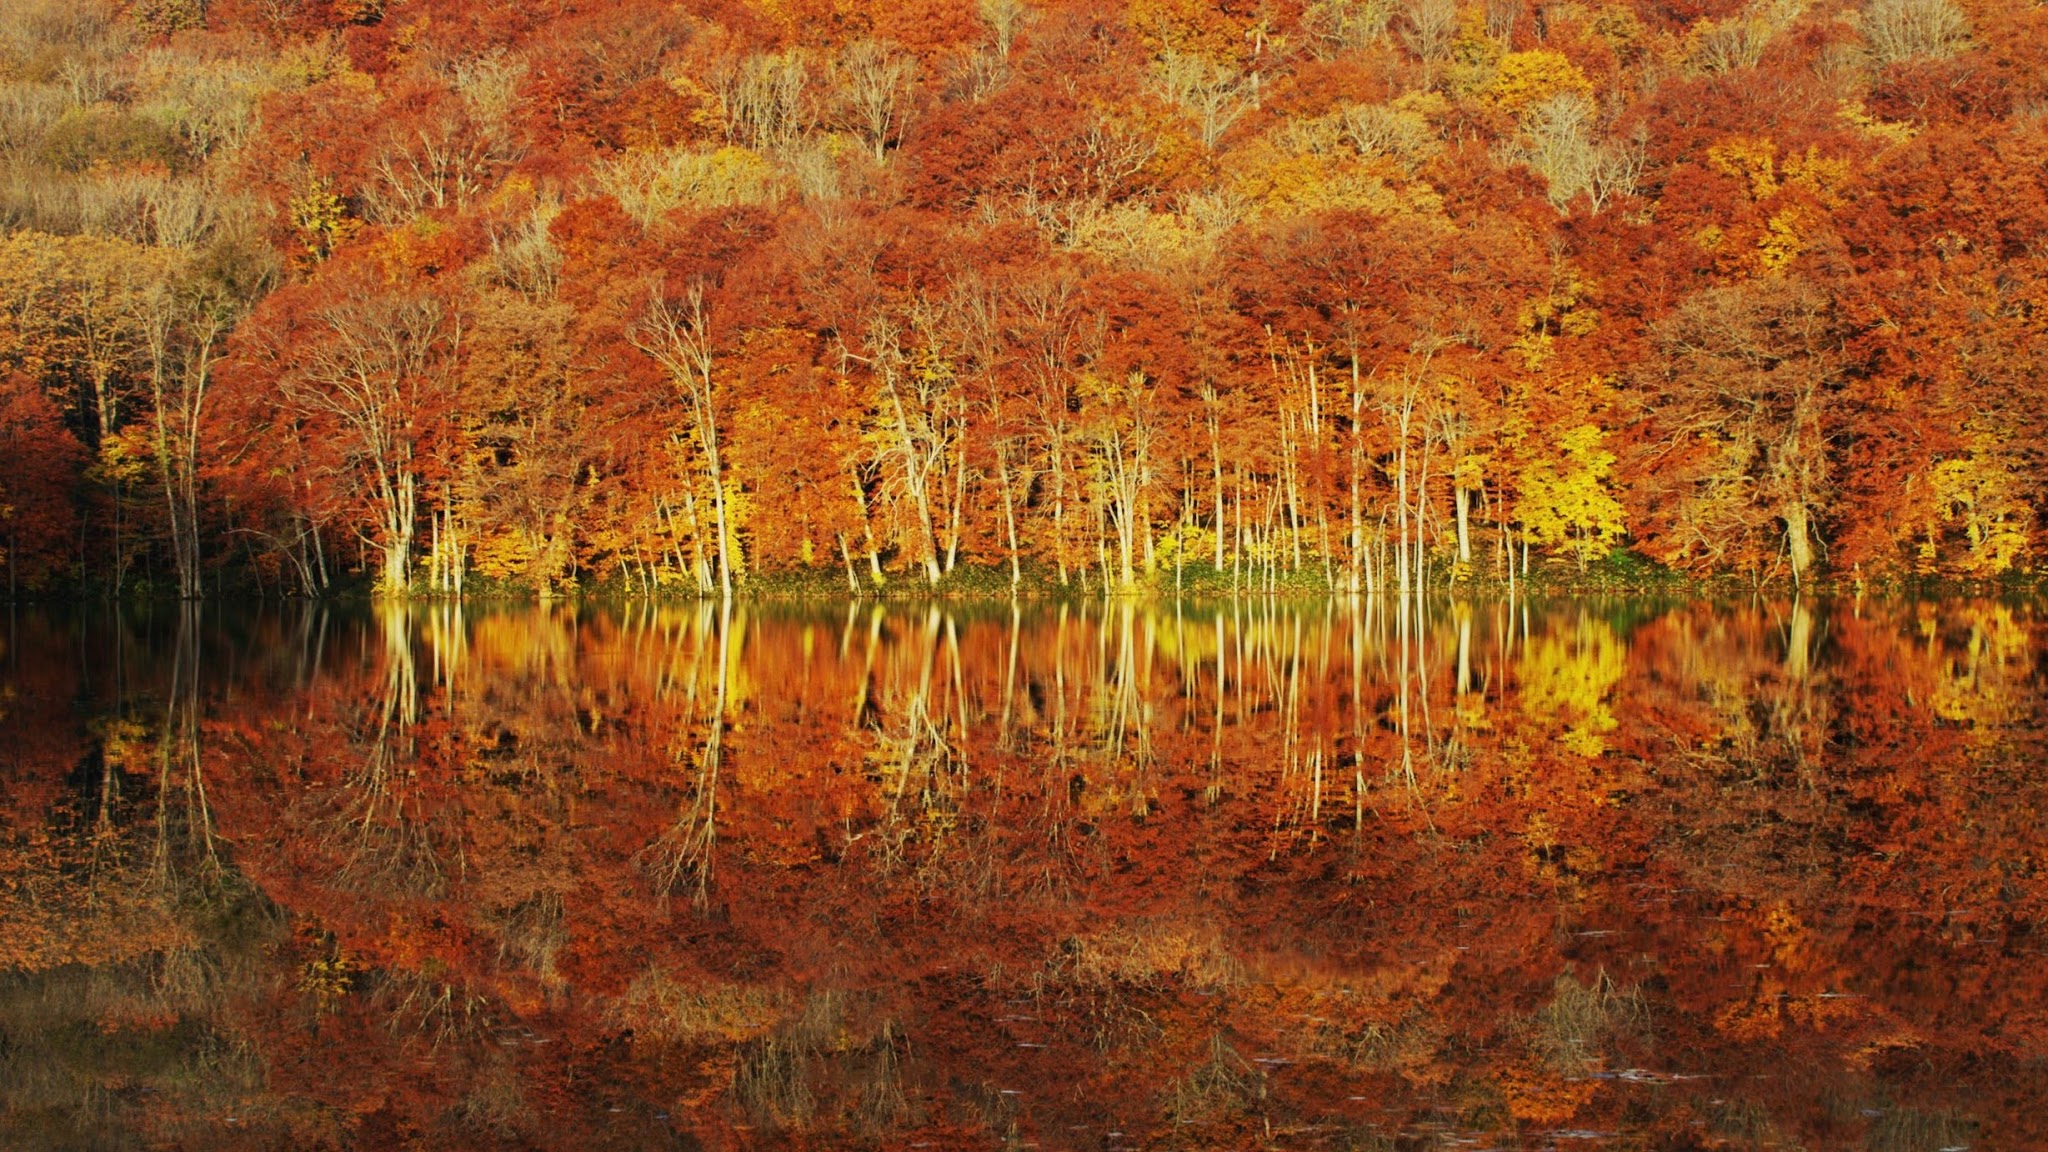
(1366, 873)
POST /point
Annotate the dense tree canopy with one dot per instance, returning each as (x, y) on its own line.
(673, 296)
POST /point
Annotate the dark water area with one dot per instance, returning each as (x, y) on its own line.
(1346, 876)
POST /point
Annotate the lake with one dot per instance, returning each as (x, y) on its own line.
(1572, 874)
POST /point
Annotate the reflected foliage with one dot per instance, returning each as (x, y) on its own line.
(1354, 874)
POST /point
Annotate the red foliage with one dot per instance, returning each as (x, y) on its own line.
(39, 463)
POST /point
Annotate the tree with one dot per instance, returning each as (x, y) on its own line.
(1214, 93)
(919, 417)
(185, 323)
(1300, 286)
(876, 83)
(1740, 396)
(369, 367)
(1903, 29)
(1121, 431)
(1564, 502)
(73, 309)
(676, 334)
(39, 461)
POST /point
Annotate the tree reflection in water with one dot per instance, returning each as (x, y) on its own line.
(1364, 873)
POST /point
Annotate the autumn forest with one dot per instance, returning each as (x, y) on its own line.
(435, 296)
(1322, 575)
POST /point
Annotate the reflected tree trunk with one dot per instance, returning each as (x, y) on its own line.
(685, 854)
(184, 817)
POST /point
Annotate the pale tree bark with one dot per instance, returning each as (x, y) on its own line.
(913, 406)
(876, 82)
(1044, 319)
(676, 334)
(1009, 510)
(184, 335)
(1122, 437)
(376, 367)
(1212, 413)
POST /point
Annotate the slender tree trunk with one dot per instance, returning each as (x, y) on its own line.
(852, 582)
(698, 565)
(959, 498)
(1357, 468)
(1009, 515)
(1291, 491)
(1401, 507)
(1422, 519)
(708, 425)
(319, 553)
(1237, 549)
(1216, 473)
(867, 527)
(1464, 498)
(1059, 509)
(917, 478)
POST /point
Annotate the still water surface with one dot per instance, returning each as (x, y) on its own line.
(1570, 875)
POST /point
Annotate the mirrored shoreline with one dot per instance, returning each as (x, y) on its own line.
(1364, 873)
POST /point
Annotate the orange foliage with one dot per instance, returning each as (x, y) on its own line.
(1533, 196)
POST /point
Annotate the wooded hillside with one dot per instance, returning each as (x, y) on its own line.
(671, 296)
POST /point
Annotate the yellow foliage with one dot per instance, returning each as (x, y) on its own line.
(126, 745)
(1306, 184)
(1852, 113)
(124, 458)
(1561, 311)
(309, 62)
(1566, 678)
(1985, 684)
(1978, 495)
(327, 979)
(739, 511)
(1473, 54)
(1177, 159)
(1750, 160)
(70, 301)
(1524, 78)
(1431, 106)
(649, 183)
(1358, 159)
(503, 555)
(322, 221)
(1133, 235)
(1565, 504)
(705, 115)
(1195, 26)
(1822, 177)
(1620, 27)
(517, 190)
(1782, 240)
